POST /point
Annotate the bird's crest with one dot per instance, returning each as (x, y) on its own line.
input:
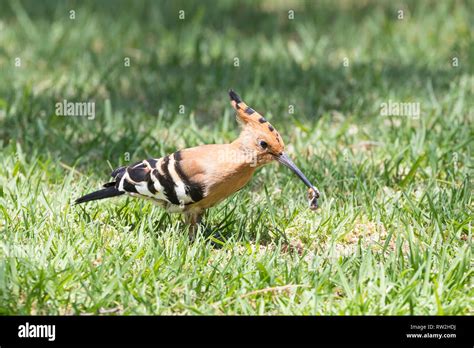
(249, 117)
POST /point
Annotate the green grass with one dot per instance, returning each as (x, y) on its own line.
(393, 235)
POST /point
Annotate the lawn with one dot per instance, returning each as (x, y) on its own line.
(393, 234)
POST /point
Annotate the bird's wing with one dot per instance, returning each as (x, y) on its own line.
(168, 179)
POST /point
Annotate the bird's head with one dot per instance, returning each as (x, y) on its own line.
(258, 135)
(262, 139)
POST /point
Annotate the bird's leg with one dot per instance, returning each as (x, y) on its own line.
(193, 219)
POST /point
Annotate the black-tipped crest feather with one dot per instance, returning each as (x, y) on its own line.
(234, 96)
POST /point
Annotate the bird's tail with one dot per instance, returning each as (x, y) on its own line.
(107, 192)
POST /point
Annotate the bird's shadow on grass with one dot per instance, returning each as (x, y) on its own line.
(229, 225)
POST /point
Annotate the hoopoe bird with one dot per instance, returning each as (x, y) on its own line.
(192, 180)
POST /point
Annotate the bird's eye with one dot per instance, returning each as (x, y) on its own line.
(263, 144)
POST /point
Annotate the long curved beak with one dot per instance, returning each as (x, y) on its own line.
(285, 160)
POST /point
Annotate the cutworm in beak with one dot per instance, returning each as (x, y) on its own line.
(313, 193)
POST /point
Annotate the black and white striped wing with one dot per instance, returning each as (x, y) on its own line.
(163, 180)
